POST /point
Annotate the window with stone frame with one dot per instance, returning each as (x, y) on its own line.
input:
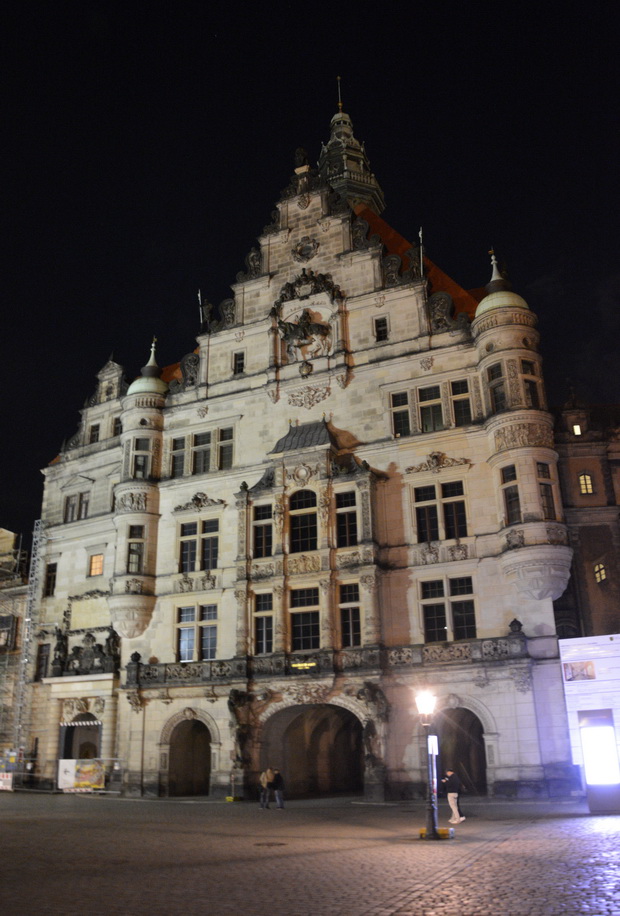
(350, 616)
(545, 486)
(263, 623)
(461, 403)
(530, 384)
(93, 433)
(201, 453)
(585, 484)
(431, 413)
(238, 363)
(510, 495)
(198, 545)
(196, 632)
(95, 564)
(43, 661)
(225, 449)
(600, 573)
(177, 457)
(262, 531)
(399, 408)
(135, 549)
(303, 521)
(76, 507)
(117, 426)
(346, 519)
(497, 388)
(381, 328)
(49, 586)
(448, 609)
(141, 464)
(440, 511)
(305, 619)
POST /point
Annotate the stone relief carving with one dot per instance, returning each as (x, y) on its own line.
(347, 560)
(522, 679)
(130, 502)
(458, 552)
(515, 539)
(306, 336)
(252, 265)
(452, 653)
(556, 535)
(307, 284)
(429, 554)
(441, 311)
(228, 310)
(133, 587)
(305, 249)
(190, 368)
(200, 501)
(523, 434)
(202, 411)
(307, 693)
(359, 235)
(427, 363)
(308, 397)
(513, 382)
(369, 583)
(436, 461)
(303, 564)
(263, 572)
(135, 700)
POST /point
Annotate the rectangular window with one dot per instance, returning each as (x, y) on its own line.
(141, 450)
(201, 453)
(93, 433)
(263, 531)
(431, 416)
(71, 504)
(117, 426)
(454, 616)
(209, 544)
(532, 398)
(346, 520)
(225, 457)
(350, 618)
(43, 660)
(238, 363)
(188, 547)
(455, 518)
(196, 633)
(208, 642)
(51, 572)
(546, 498)
(512, 503)
(177, 461)
(461, 404)
(83, 504)
(427, 520)
(497, 388)
(95, 564)
(263, 624)
(381, 329)
(305, 632)
(401, 424)
(135, 549)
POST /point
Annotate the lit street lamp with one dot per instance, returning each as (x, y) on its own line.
(425, 702)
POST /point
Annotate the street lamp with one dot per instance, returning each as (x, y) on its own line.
(425, 701)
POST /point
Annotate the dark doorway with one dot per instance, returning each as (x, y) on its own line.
(82, 738)
(461, 748)
(318, 749)
(190, 759)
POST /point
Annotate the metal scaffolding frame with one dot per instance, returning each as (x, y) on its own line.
(22, 707)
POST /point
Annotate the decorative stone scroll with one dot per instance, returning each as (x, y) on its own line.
(309, 396)
(200, 501)
(436, 462)
(303, 564)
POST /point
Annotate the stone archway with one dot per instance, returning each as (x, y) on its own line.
(189, 762)
(318, 748)
(461, 747)
(82, 738)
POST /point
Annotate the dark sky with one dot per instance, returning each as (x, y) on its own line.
(147, 142)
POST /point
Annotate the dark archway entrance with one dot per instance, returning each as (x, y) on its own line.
(189, 769)
(318, 749)
(461, 747)
(82, 738)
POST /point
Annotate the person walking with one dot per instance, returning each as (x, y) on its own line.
(278, 787)
(266, 784)
(453, 788)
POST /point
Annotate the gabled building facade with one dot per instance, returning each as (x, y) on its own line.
(345, 494)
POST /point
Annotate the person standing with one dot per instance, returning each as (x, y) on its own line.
(266, 784)
(453, 788)
(278, 787)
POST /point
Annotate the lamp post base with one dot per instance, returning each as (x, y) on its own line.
(440, 833)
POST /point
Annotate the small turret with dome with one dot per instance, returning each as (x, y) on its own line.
(499, 293)
(149, 381)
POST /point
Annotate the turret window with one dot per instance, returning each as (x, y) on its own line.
(135, 549)
(510, 493)
(141, 458)
(543, 472)
(497, 388)
(600, 573)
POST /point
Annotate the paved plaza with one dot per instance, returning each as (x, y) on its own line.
(334, 857)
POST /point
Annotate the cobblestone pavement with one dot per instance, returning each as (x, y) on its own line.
(335, 857)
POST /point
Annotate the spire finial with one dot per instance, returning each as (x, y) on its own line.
(339, 96)
(498, 281)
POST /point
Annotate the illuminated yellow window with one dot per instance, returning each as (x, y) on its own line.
(95, 564)
(600, 573)
(585, 484)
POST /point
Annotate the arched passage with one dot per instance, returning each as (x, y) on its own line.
(318, 748)
(82, 738)
(461, 747)
(189, 767)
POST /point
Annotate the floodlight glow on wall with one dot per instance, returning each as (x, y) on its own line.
(600, 760)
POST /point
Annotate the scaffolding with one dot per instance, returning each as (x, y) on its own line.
(13, 563)
(23, 697)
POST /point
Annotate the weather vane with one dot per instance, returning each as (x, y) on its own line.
(339, 96)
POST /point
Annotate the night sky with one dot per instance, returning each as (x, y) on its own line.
(146, 144)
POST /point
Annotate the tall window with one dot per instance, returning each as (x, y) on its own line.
(238, 363)
(177, 460)
(350, 622)
(303, 520)
(431, 416)
(95, 564)
(117, 426)
(530, 385)
(346, 519)
(141, 455)
(461, 405)
(43, 660)
(401, 423)
(198, 545)
(600, 573)
(451, 522)
(93, 433)
(262, 531)
(263, 624)
(585, 484)
(510, 491)
(83, 504)
(543, 472)
(497, 388)
(381, 329)
(76, 506)
(201, 453)
(51, 572)
(135, 549)
(448, 609)
(196, 633)
(305, 624)
(225, 452)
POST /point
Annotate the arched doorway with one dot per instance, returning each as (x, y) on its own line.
(82, 738)
(461, 747)
(189, 768)
(318, 748)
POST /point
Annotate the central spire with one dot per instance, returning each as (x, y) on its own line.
(343, 163)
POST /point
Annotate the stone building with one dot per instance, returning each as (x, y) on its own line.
(13, 599)
(346, 493)
(588, 445)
